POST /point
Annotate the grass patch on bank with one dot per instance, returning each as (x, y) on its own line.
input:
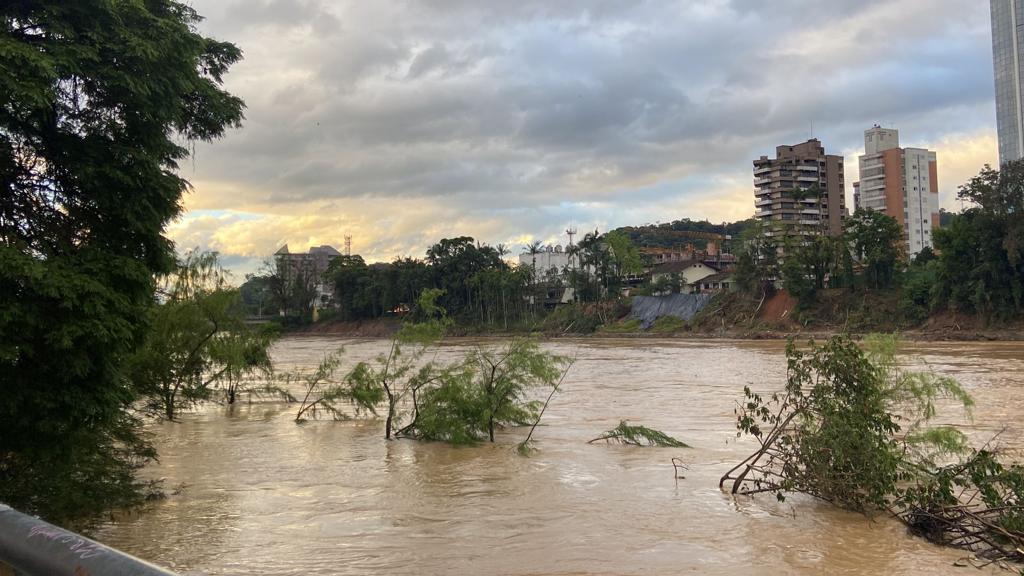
(668, 325)
(631, 326)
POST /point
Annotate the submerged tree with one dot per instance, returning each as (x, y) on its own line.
(624, 433)
(399, 375)
(98, 104)
(848, 427)
(487, 391)
(322, 393)
(853, 428)
(198, 340)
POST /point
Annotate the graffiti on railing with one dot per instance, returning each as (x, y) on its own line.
(79, 547)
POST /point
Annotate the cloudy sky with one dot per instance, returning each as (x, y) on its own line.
(400, 122)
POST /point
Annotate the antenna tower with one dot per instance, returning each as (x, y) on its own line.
(348, 245)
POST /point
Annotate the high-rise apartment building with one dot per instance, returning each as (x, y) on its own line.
(901, 182)
(800, 191)
(1008, 61)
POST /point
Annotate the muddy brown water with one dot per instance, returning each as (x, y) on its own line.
(261, 494)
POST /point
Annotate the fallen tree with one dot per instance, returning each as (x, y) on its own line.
(854, 429)
(975, 505)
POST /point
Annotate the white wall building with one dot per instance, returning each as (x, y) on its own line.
(551, 262)
(901, 182)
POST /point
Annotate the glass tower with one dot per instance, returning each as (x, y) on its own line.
(1008, 60)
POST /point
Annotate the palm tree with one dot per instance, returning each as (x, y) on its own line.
(534, 248)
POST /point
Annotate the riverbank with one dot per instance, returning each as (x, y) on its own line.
(940, 332)
(841, 311)
(728, 316)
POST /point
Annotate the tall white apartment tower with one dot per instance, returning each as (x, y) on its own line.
(902, 182)
(1008, 63)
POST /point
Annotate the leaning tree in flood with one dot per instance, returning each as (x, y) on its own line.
(853, 429)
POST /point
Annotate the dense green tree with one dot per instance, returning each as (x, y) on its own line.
(877, 241)
(925, 256)
(625, 256)
(257, 295)
(919, 287)
(453, 261)
(98, 101)
(849, 428)
(814, 264)
(684, 231)
(757, 261)
(356, 288)
(797, 278)
(982, 251)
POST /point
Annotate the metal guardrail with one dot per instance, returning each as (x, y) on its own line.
(31, 547)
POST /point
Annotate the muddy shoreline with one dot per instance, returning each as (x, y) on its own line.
(387, 328)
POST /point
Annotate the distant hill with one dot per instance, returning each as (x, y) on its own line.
(682, 232)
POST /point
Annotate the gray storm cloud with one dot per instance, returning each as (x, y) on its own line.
(513, 118)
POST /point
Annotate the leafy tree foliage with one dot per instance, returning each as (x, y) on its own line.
(976, 504)
(625, 256)
(198, 340)
(812, 265)
(97, 103)
(354, 288)
(460, 403)
(854, 429)
(399, 375)
(919, 288)
(633, 435)
(476, 285)
(877, 241)
(257, 295)
(982, 251)
(757, 261)
(604, 262)
(489, 390)
(672, 234)
(849, 427)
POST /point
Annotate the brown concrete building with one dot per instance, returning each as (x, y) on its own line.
(801, 191)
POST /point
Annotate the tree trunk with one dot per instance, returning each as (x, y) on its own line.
(391, 415)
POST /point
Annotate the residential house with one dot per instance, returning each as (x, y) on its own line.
(721, 282)
(688, 272)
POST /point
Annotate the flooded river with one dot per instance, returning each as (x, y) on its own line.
(260, 494)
